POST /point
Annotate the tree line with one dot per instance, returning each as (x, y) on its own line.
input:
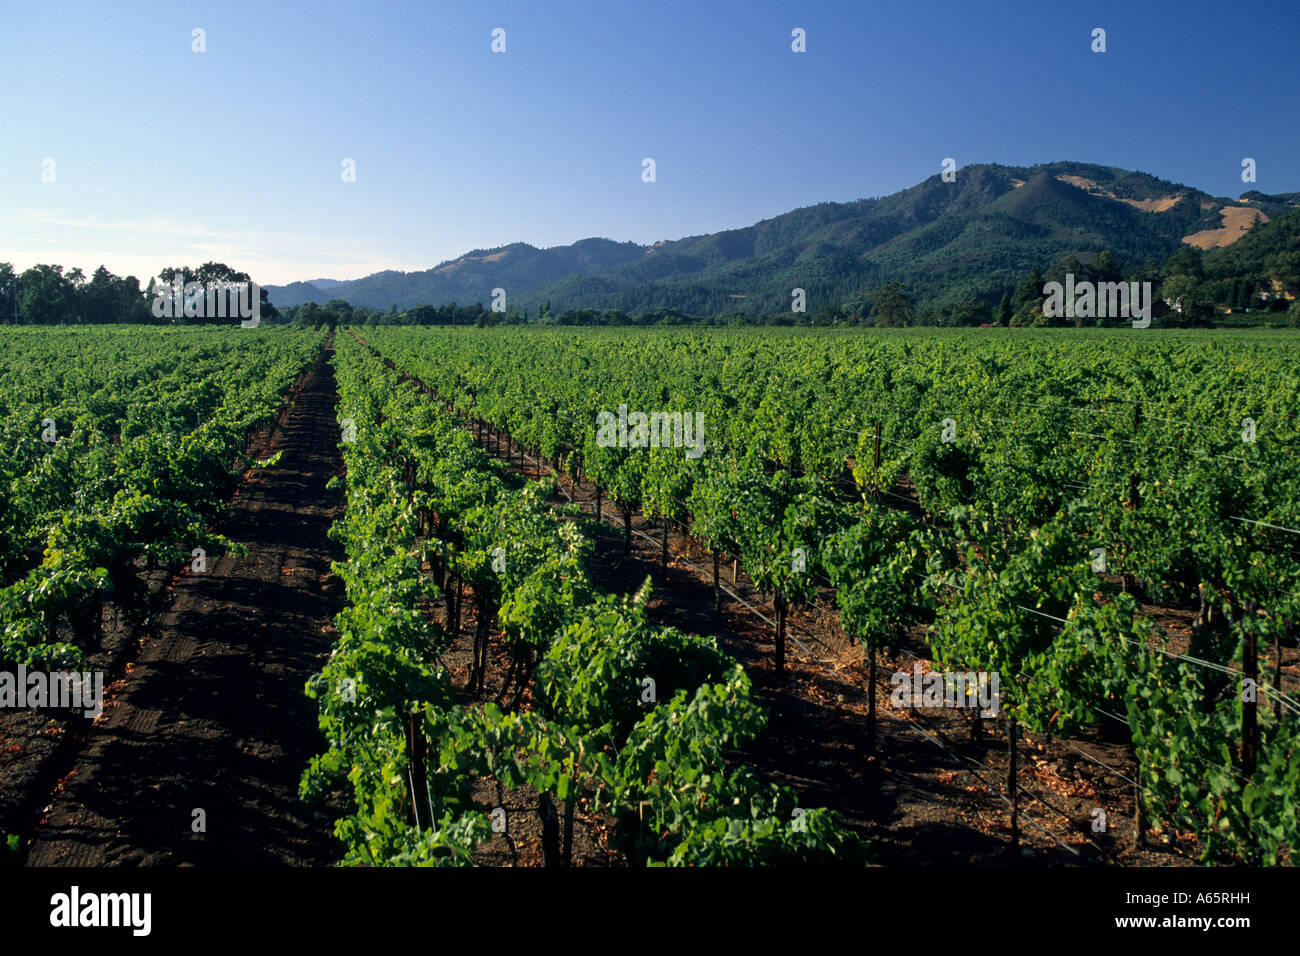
(51, 295)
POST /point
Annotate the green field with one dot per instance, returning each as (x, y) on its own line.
(1106, 520)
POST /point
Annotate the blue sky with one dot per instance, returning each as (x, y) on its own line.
(163, 156)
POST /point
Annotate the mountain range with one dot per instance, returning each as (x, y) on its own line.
(945, 241)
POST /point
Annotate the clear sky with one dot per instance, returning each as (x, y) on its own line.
(164, 156)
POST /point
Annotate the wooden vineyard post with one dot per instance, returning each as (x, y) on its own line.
(482, 633)
(1134, 499)
(1139, 822)
(568, 831)
(636, 852)
(1277, 674)
(734, 562)
(665, 544)
(550, 830)
(1134, 503)
(871, 696)
(1249, 715)
(780, 632)
(1012, 790)
(876, 462)
(598, 515)
(408, 729)
(718, 592)
(415, 764)
(457, 597)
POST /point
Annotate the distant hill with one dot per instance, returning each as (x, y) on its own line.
(1274, 205)
(296, 293)
(1257, 252)
(945, 242)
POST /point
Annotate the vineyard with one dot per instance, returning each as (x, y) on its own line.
(117, 447)
(543, 532)
(1015, 500)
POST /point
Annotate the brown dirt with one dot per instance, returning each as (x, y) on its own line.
(212, 714)
(38, 747)
(1237, 221)
(1161, 204)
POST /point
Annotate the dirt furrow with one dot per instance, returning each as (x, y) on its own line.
(212, 725)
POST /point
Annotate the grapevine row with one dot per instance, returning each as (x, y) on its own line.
(119, 445)
(1000, 570)
(632, 721)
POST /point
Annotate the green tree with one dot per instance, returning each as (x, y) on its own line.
(891, 307)
(46, 296)
(1186, 261)
(338, 312)
(1285, 268)
(215, 272)
(110, 298)
(1029, 292)
(1106, 268)
(310, 314)
(8, 293)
